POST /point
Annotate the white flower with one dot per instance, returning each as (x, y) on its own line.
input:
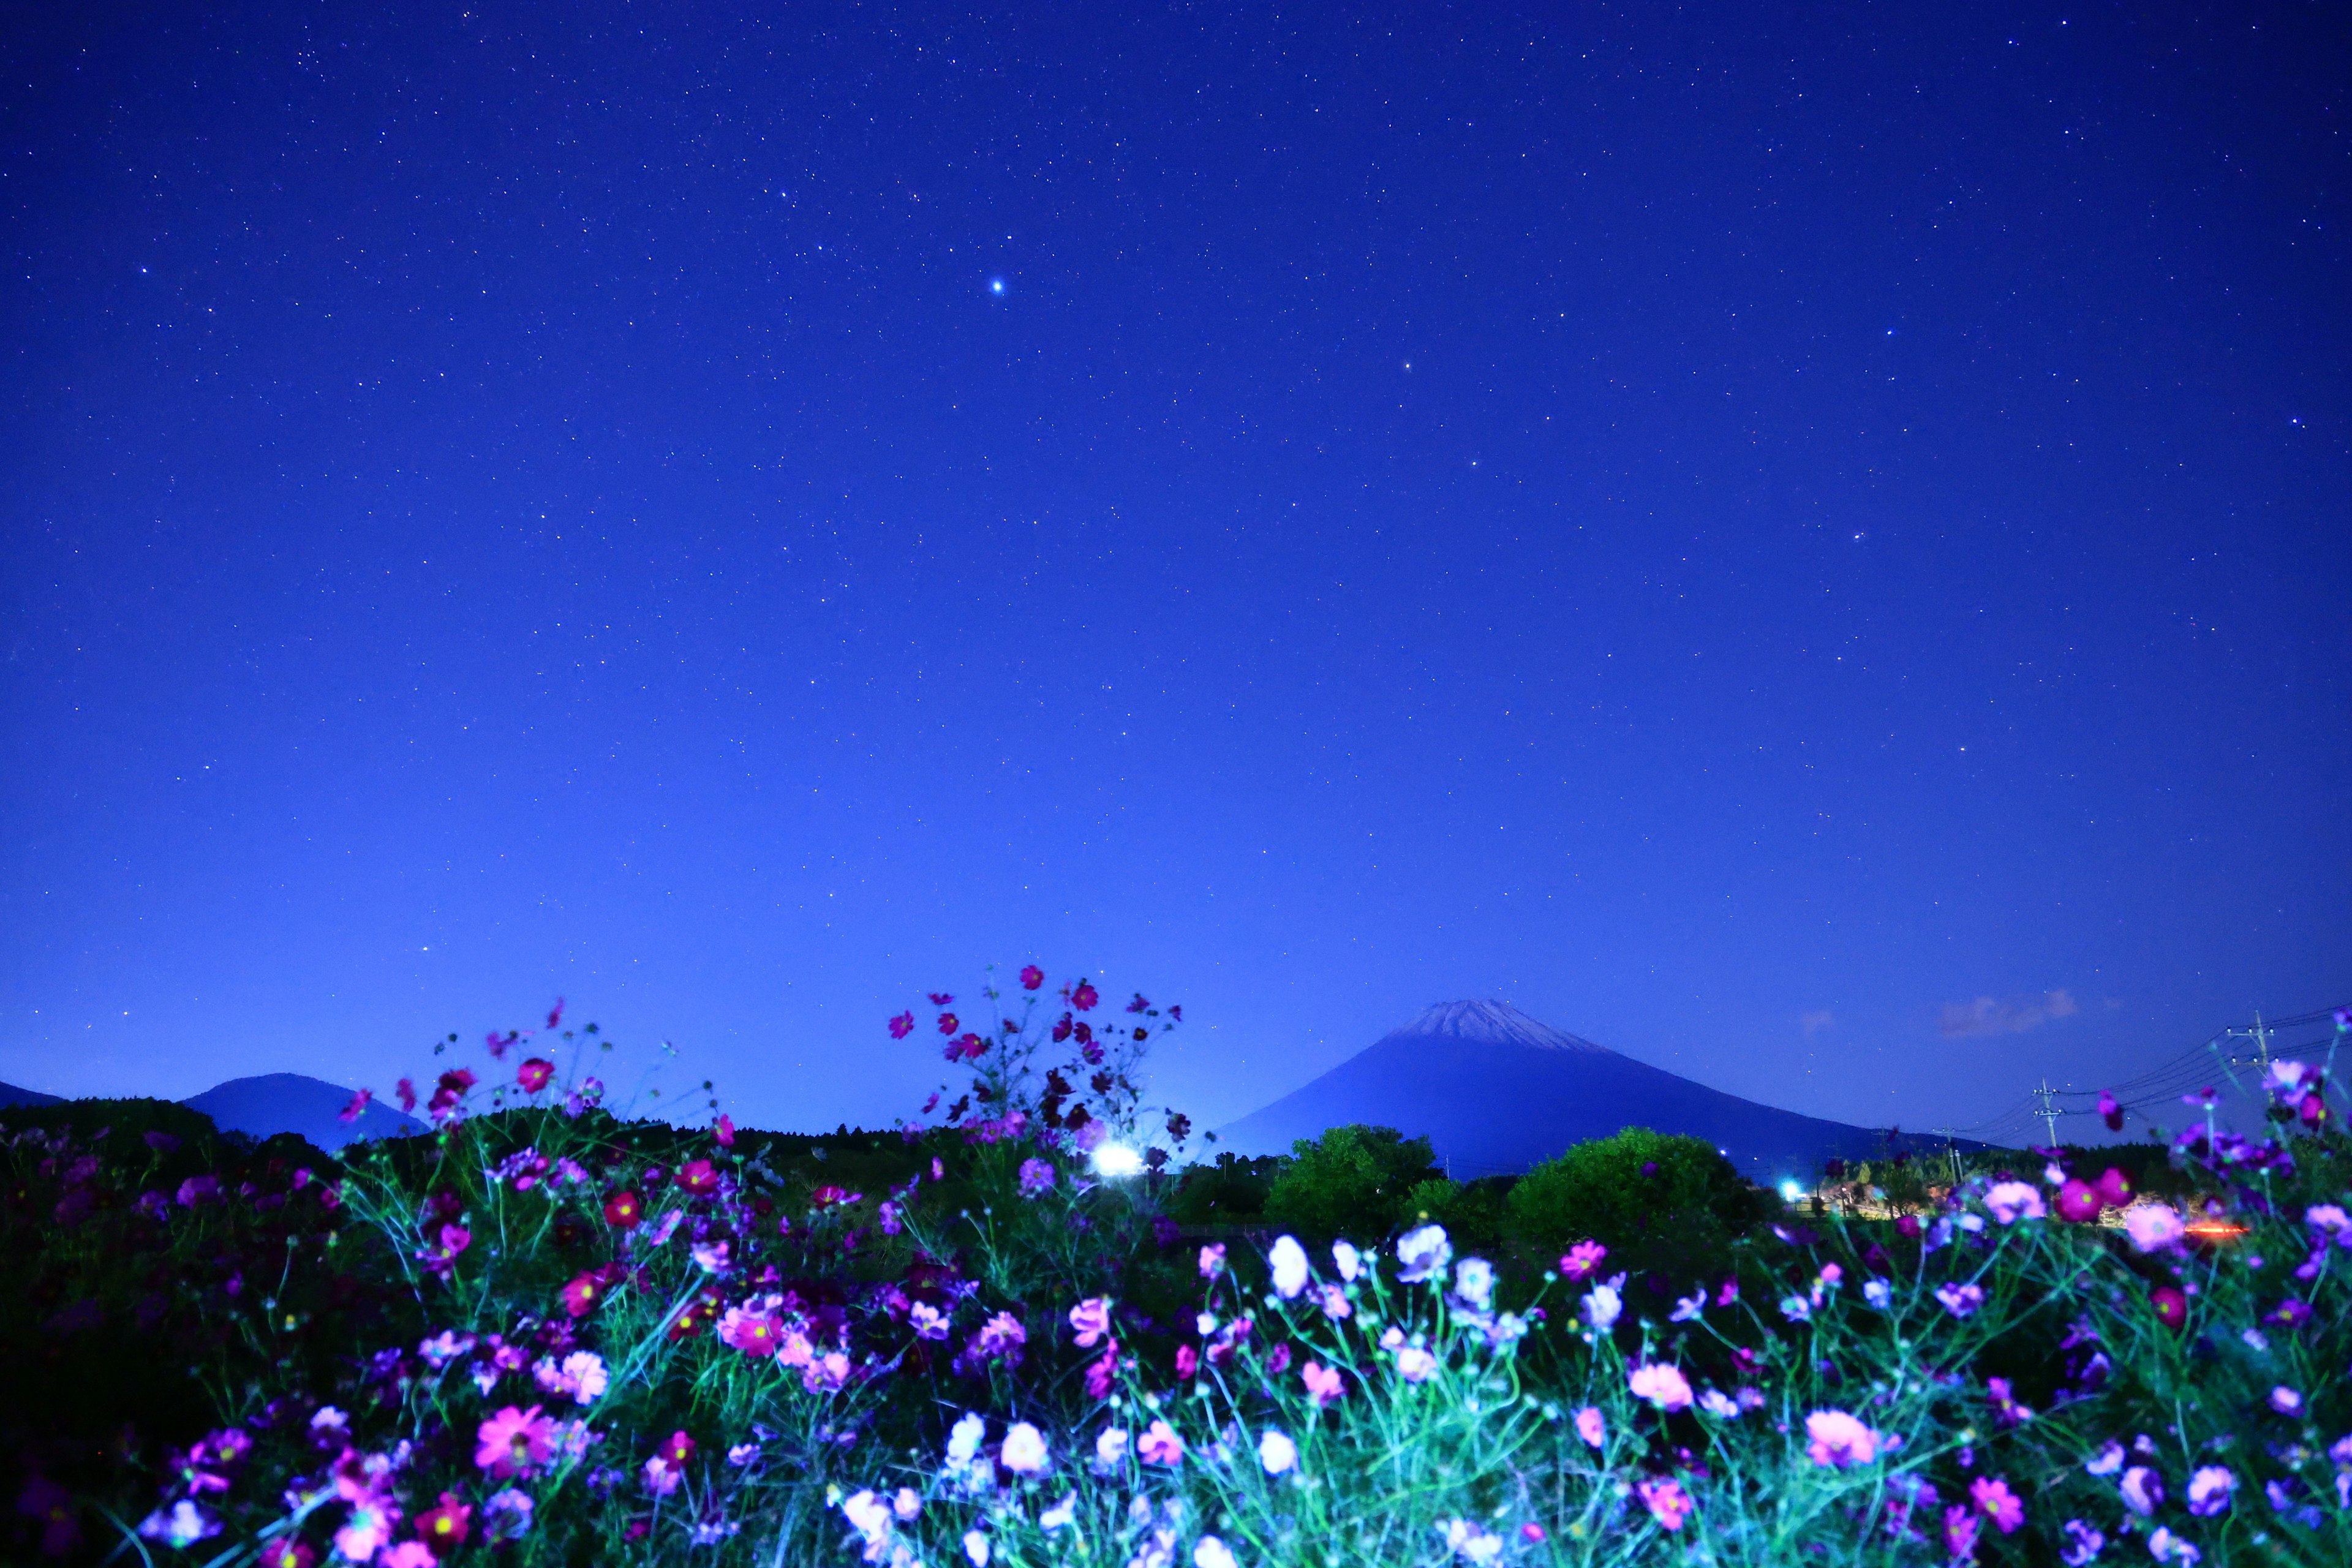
(1415, 1364)
(906, 1505)
(1601, 1307)
(1060, 1515)
(1025, 1449)
(1277, 1453)
(1423, 1252)
(1796, 1309)
(1474, 1282)
(1714, 1402)
(963, 1440)
(1879, 1292)
(1470, 1543)
(868, 1515)
(1211, 1552)
(1346, 1259)
(975, 1546)
(1206, 1323)
(1290, 1261)
(1110, 1447)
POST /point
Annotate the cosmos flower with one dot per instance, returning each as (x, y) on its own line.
(1160, 1444)
(1211, 1552)
(1110, 1447)
(1993, 1499)
(1423, 1252)
(1474, 1282)
(1590, 1425)
(581, 1294)
(1661, 1385)
(1323, 1384)
(902, 1025)
(447, 1526)
(2083, 1543)
(505, 1516)
(367, 1530)
(1347, 1261)
(514, 1442)
(1838, 1440)
(181, 1525)
(1037, 1176)
(2152, 1227)
(1031, 977)
(2079, 1202)
(1960, 1300)
(2209, 1489)
(359, 1104)
(1289, 1261)
(1415, 1364)
(1666, 1500)
(1582, 1260)
(1600, 1307)
(2170, 1306)
(622, 1211)
(2166, 1547)
(1091, 1320)
(2013, 1201)
(1023, 1451)
(1276, 1454)
(535, 1074)
(1212, 1261)
(2142, 1490)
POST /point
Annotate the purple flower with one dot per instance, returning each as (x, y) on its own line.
(2143, 1490)
(1037, 1176)
(2209, 1489)
(1960, 1300)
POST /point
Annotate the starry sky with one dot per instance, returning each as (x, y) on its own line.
(1809, 546)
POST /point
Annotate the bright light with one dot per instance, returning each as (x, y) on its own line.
(996, 284)
(1791, 1191)
(1117, 1159)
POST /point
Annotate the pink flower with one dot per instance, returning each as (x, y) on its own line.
(902, 1025)
(535, 1074)
(1160, 1445)
(2153, 1226)
(2286, 1401)
(2110, 1111)
(1212, 1261)
(754, 1331)
(1666, 1500)
(1997, 1502)
(2170, 1306)
(1839, 1440)
(1415, 1364)
(1091, 1320)
(2013, 1201)
(662, 1478)
(368, 1529)
(511, 1443)
(724, 1130)
(2209, 1489)
(1590, 1428)
(1662, 1386)
(1335, 1302)
(580, 1297)
(1323, 1384)
(358, 1103)
(1031, 977)
(555, 1014)
(1085, 995)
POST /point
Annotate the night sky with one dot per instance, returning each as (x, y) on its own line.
(1809, 546)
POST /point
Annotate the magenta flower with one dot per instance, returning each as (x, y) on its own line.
(1037, 1176)
(1031, 977)
(512, 1443)
(1662, 1386)
(2110, 1111)
(1582, 1260)
(1839, 1440)
(1590, 1427)
(1666, 1500)
(1323, 1384)
(199, 1190)
(902, 1025)
(1212, 1261)
(2079, 1202)
(1997, 1502)
(358, 1103)
(1960, 1534)
(535, 1074)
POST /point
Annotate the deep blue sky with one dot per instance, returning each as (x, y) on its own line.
(1741, 533)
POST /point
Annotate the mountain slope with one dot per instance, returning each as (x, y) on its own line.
(10, 1095)
(291, 1102)
(1494, 1090)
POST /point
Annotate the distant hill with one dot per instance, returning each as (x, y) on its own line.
(291, 1102)
(1494, 1090)
(10, 1096)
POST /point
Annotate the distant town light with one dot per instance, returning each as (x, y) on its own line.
(1117, 1159)
(1791, 1191)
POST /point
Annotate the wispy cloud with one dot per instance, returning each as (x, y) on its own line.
(1814, 1023)
(2004, 1015)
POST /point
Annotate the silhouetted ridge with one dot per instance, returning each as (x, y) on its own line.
(1494, 1090)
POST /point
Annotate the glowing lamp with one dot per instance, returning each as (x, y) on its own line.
(1117, 1159)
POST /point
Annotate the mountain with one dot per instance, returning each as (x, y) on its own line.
(291, 1102)
(10, 1096)
(1494, 1090)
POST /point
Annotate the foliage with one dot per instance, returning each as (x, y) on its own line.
(1232, 1189)
(1352, 1177)
(544, 1335)
(1644, 1194)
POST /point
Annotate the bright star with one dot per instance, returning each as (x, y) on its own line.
(996, 284)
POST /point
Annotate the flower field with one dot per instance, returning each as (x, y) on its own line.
(548, 1335)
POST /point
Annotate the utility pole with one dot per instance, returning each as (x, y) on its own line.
(2048, 1112)
(2261, 1036)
